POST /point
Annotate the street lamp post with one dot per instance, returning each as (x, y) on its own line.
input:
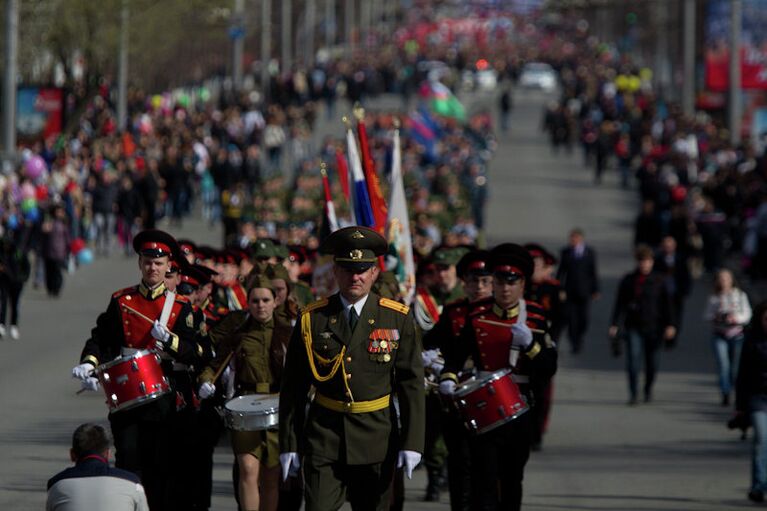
(122, 71)
(736, 16)
(9, 96)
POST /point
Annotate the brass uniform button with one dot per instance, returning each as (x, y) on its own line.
(348, 359)
(349, 376)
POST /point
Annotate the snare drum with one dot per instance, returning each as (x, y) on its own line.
(489, 402)
(132, 380)
(252, 412)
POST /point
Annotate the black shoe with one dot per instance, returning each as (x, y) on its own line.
(756, 496)
(633, 401)
(725, 400)
(432, 493)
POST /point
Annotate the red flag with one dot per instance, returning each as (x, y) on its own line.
(377, 201)
(330, 223)
(343, 173)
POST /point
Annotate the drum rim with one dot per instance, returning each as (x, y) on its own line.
(265, 411)
(464, 389)
(504, 420)
(123, 358)
(136, 401)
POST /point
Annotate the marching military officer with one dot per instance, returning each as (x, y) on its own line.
(474, 270)
(145, 316)
(504, 332)
(359, 351)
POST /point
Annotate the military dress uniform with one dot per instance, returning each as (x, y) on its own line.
(257, 350)
(350, 437)
(548, 293)
(448, 330)
(434, 301)
(143, 436)
(498, 457)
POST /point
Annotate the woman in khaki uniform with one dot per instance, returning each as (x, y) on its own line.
(258, 341)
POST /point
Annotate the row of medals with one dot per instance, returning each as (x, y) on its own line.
(383, 345)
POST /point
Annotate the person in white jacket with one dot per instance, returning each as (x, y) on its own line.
(729, 311)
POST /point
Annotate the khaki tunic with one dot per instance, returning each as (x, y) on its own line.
(362, 375)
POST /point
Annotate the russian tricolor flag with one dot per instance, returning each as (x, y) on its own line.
(360, 200)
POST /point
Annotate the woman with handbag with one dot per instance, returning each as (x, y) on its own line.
(728, 311)
(256, 341)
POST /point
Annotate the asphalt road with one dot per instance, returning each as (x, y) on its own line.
(599, 454)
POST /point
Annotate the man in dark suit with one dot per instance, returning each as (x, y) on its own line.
(351, 438)
(672, 265)
(578, 276)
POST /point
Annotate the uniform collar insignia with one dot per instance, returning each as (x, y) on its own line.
(506, 313)
(151, 294)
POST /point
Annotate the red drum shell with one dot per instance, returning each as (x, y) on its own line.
(489, 402)
(132, 380)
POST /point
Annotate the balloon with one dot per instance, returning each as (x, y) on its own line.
(33, 215)
(28, 204)
(85, 256)
(156, 101)
(77, 245)
(27, 190)
(35, 167)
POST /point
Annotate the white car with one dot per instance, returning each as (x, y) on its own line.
(538, 75)
(487, 80)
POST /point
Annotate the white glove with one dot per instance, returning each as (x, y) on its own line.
(290, 464)
(521, 335)
(409, 460)
(428, 356)
(90, 383)
(207, 389)
(160, 332)
(83, 371)
(447, 387)
(432, 360)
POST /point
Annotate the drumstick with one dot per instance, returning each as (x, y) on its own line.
(222, 366)
(498, 323)
(137, 313)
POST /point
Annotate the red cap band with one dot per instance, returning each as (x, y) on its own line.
(508, 269)
(190, 280)
(477, 265)
(153, 245)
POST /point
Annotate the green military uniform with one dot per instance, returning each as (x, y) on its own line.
(350, 438)
(436, 453)
(256, 372)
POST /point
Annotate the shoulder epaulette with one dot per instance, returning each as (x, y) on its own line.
(125, 291)
(315, 305)
(182, 299)
(393, 305)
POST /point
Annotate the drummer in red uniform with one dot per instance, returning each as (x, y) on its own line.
(144, 317)
(500, 333)
(474, 271)
(545, 290)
